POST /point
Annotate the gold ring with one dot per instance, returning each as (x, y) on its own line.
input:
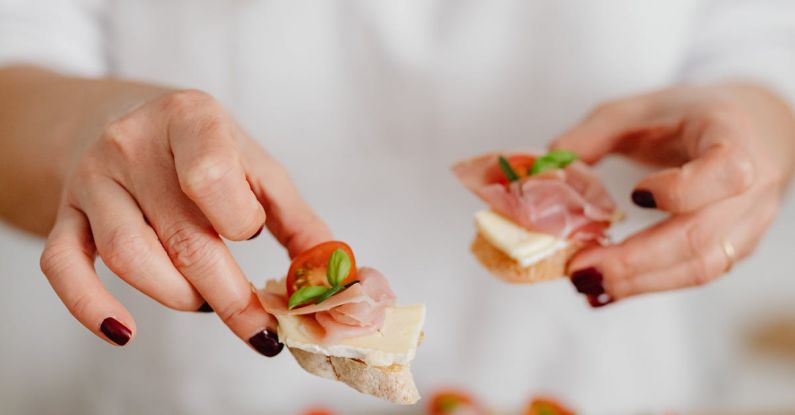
(731, 254)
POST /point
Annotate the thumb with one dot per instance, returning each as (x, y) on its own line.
(288, 217)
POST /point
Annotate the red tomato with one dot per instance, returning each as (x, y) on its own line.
(520, 163)
(309, 268)
(546, 406)
(449, 402)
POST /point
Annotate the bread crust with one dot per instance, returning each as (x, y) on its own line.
(505, 267)
(394, 383)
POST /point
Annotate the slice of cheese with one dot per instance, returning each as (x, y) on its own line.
(521, 245)
(395, 344)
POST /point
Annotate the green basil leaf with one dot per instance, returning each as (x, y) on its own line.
(339, 267)
(562, 157)
(306, 295)
(541, 166)
(507, 169)
(555, 159)
(329, 293)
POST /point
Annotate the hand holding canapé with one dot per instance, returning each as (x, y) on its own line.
(153, 192)
(727, 151)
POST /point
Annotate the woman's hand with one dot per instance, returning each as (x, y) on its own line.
(728, 152)
(153, 196)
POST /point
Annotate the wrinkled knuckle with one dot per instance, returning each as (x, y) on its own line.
(188, 248)
(54, 259)
(124, 250)
(121, 136)
(231, 312)
(187, 101)
(207, 175)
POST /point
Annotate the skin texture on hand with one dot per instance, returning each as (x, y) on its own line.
(727, 153)
(150, 180)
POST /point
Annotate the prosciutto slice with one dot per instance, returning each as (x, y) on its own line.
(357, 311)
(568, 203)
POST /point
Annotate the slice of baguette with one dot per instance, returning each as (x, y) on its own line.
(394, 383)
(505, 267)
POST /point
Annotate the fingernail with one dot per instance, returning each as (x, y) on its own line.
(115, 331)
(588, 281)
(644, 198)
(205, 308)
(257, 233)
(266, 343)
(599, 300)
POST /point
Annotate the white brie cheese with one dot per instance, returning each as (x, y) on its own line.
(395, 344)
(521, 245)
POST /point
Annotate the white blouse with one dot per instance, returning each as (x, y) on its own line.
(367, 104)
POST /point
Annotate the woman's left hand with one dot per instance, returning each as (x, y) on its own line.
(729, 152)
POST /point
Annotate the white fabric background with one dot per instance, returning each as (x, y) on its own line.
(368, 104)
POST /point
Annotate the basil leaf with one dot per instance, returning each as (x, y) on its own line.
(329, 293)
(562, 157)
(339, 267)
(541, 166)
(555, 159)
(507, 169)
(306, 295)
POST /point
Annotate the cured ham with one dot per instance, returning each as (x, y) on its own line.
(357, 311)
(567, 203)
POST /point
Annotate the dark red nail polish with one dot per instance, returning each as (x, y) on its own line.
(115, 331)
(257, 233)
(205, 308)
(644, 198)
(588, 281)
(599, 300)
(266, 343)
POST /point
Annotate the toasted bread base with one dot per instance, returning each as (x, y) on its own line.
(505, 267)
(394, 383)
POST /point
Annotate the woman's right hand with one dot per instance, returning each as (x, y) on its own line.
(153, 195)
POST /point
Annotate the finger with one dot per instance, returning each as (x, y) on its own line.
(130, 248)
(664, 245)
(712, 261)
(694, 272)
(206, 155)
(719, 170)
(201, 256)
(290, 219)
(68, 264)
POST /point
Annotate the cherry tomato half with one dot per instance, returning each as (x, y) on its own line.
(309, 268)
